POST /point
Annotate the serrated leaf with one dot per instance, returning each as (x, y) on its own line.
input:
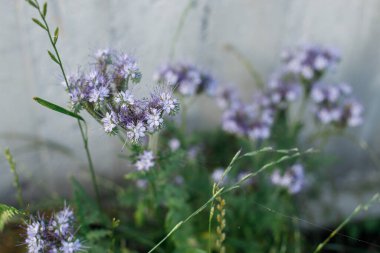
(39, 23)
(52, 56)
(56, 33)
(44, 9)
(32, 4)
(6, 214)
(57, 108)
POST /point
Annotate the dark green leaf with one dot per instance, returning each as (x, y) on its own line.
(52, 56)
(32, 4)
(57, 108)
(56, 33)
(39, 23)
(44, 9)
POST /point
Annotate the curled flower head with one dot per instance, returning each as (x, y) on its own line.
(106, 93)
(56, 234)
(293, 179)
(187, 79)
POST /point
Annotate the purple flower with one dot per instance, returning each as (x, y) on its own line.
(145, 161)
(293, 179)
(168, 102)
(108, 123)
(54, 235)
(135, 131)
(309, 62)
(105, 92)
(154, 119)
(334, 105)
(226, 97)
(174, 144)
(282, 90)
(250, 121)
(187, 79)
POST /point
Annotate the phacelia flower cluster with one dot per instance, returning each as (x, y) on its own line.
(54, 235)
(248, 120)
(106, 94)
(145, 161)
(308, 62)
(186, 79)
(252, 120)
(335, 106)
(293, 179)
(282, 89)
(296, 78)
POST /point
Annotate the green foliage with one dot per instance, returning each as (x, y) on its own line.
(39, 23)
(6, 214)
(16, 181)
(57, 108)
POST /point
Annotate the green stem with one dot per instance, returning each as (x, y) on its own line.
(359, 208)
(247, 64)
(89, 160)
(83, 133)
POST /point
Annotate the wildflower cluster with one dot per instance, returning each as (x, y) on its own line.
(334, 106)
(187, 79)
(309, 62)
(252, 120)
(54, 235)
(299, 75)
(106, 94)
(293, 179)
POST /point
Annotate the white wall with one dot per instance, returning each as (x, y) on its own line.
(258, 28)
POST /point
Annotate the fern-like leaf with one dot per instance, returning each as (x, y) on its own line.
(6, 214)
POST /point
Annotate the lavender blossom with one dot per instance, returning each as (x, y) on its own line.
(335, 106)
(54, 235)
(293, 179)
(282, 90)
(248, 120)
(226, 97)
(309, 62)
(106, 94)
(174, 144)
(145, 161)
(187, 79)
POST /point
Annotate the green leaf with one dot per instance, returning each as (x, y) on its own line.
(6, 214)
(97, 235)
(39, 23)
(52, 56)
(32, 4)
(57, 108)
(56, 33)
(44, 9)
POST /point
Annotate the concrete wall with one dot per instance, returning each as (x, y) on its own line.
(47, 145)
